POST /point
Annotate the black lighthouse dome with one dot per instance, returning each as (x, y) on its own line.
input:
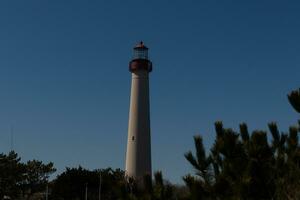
(140, 59)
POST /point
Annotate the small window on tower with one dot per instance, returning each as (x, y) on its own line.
(132, 138)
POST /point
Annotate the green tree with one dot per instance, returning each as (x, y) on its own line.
(294, 98)
(199, 186)
(72, 182)
(11, 175)
(162, 190)
(36, 177)
(246, 166)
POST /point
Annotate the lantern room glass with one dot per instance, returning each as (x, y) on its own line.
(140, 53)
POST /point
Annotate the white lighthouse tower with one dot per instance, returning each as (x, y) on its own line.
(138, 155)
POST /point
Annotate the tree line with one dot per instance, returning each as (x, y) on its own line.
(244, 165)
(22, 180)
(239, 165)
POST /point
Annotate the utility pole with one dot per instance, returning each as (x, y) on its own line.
(86, 191)
(100, 182)
(47, 192)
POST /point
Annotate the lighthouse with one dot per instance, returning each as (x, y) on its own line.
(138, 155)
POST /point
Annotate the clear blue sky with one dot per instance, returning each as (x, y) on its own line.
(64, 79)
